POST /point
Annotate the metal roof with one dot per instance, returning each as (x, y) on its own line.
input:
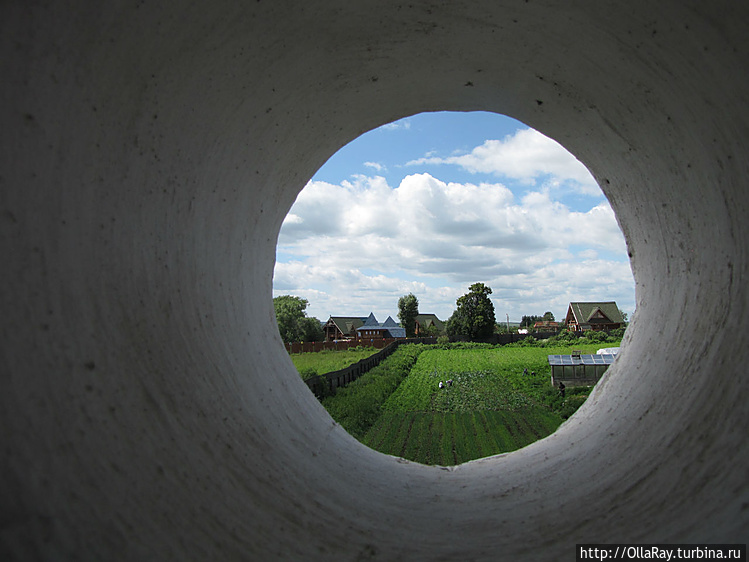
(390, 323)
(582, 311)
(371, 320)
(597, 359)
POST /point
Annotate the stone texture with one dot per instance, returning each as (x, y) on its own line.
(149, 155)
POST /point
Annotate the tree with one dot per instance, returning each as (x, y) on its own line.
(312, 329)
(548, 317)
(408, 310)
(474, 317)
(292, 320)
(528, 321)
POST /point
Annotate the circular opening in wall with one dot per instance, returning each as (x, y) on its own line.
(448, 218)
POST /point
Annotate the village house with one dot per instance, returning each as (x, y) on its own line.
(367, 327)
(582, 316)
(361, 327)
(342, 327)
(371, 329)
(546, 326)
(426, 321)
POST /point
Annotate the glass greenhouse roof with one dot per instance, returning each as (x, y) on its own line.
(597, 359)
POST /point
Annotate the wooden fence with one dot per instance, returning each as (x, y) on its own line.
(340, 345)
(327, 383)
(322, 385)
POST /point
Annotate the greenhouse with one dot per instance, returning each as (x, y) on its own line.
(578, 369)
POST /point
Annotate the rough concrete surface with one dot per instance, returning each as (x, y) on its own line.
(150, 152)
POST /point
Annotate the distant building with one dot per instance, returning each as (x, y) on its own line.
(426, 321)
(582, 316)
(371, 329)
(342, 327)
(546, 326)
(361, 327)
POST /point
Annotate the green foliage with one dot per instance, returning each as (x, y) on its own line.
(328, 361)
(430, 331)
(292, 320)
(408, 310)
(312, 329)
(308, 373)
(528, 321)
(491, 406)
(452, 438)
(358, 405)
(474, 316)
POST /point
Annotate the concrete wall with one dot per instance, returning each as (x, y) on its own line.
(150, 152)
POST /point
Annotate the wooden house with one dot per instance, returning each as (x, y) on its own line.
(372, 329)
(582, 316)
(426, 321)
(342, 327)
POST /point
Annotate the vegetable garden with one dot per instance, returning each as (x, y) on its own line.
(490, 406)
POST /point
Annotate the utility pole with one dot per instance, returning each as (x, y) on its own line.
(508, 323)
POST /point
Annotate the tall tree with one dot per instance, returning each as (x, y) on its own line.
(408, 310)
(548, 316)
(292, 320)
(474, 317)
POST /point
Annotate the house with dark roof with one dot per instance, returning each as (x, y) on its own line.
(426, 321)
(342, 327)
(597, 316)
(372, 329)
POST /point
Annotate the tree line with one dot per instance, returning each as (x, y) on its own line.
(473, 318)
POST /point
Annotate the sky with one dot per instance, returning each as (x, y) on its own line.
(435, 202)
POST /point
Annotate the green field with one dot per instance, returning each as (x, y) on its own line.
(491, 406)
(326, 361)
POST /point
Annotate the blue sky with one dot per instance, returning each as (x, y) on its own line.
(435, 202)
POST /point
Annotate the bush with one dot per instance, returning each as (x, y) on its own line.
(572, 403)
(308, 373)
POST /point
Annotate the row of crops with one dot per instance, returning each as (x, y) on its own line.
(493, 399)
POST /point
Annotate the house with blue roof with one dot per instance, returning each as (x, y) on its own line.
(372, 329)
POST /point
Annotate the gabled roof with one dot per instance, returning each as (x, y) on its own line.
(585, 312)
(389, 327)
(390, 323)
(347, 324)
(371, 320)
(427, 319)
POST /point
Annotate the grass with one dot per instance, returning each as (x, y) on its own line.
(358, 405)
(491, 407)
(321, 362)
(455, 437)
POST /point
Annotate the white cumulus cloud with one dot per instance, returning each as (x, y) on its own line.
(358, 246)
(525, 156)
